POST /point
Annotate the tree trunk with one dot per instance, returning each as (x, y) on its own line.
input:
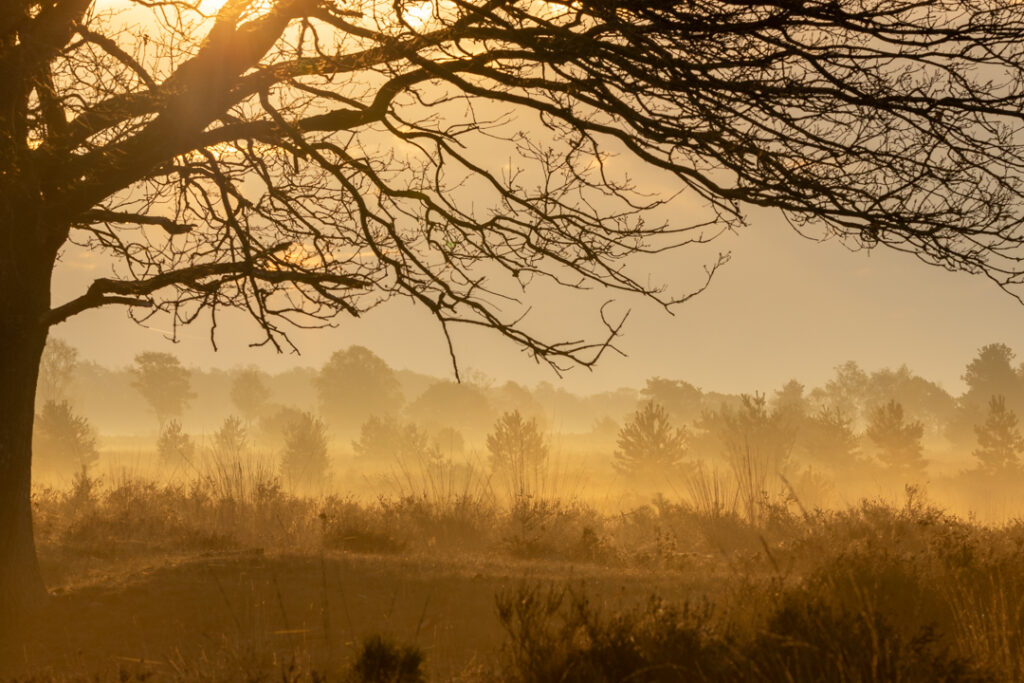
(24, 299)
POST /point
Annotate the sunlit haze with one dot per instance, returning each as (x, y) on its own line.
(785, 307)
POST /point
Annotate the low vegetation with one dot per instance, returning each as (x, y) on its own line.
(407, 531)
(876, 591)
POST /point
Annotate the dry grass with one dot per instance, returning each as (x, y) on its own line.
(778, 591)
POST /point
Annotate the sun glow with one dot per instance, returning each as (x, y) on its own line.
(418, 14)
(255, 8)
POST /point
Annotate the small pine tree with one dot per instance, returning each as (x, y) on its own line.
(649, 444)
(63, 439)
(304, 459)
(897, 440)
(827, 438)
(999, 439)
(232, 440)
(518, 454)
(174, 446)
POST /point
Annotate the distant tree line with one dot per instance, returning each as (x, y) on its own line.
(858, 420)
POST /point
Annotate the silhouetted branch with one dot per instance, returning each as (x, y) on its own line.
(460, 159)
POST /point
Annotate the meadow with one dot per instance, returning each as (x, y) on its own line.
(361, 524)
(226, 573)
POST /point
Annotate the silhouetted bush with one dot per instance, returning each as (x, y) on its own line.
(381, 660)
(556, 635)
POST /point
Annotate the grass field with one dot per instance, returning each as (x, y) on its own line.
(230, 577)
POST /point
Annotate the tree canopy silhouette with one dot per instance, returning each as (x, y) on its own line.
(300, 159)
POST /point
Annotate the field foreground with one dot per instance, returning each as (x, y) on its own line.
(194, 582)
(248, 615)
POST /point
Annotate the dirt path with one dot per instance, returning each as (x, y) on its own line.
(241, 613)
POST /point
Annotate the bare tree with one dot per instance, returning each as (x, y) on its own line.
(299, 159)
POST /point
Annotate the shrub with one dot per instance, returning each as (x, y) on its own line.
(383, 661)
(556, 635)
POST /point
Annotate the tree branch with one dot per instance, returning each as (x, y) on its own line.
(132, 292)
(107, 216)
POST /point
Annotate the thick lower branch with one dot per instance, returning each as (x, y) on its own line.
(107, 216)
(136, 292)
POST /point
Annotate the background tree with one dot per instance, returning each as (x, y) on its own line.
(304, 459)
(64, 440)
(518, 455)
(648, 444)
(757, 444)
(999, 440)
(355, 384)
(174, 447)
(301, 159)
(249, 393)
(827, 438)
(790, 404)
(448, 441)
(163, 382)
(387, 439)
(753, 432)
(274, 423)
(681, 399)
(230, 441)
(460, 405)
(990, 373)
(511, 397)
(845, 392)
(897, 440)
(56, 369)
(925, 399)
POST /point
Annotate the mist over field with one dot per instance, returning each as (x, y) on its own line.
(359, 518)
(357, 427)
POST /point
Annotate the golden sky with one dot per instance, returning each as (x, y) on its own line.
(785, 307)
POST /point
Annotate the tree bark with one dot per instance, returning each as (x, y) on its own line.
(26, 261)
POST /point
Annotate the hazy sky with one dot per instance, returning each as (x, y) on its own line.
(784, 307)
